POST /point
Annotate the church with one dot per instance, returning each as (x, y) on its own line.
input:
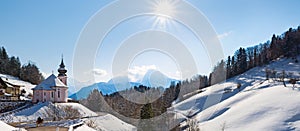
(52, 89)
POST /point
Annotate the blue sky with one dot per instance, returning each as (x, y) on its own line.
(40, 31)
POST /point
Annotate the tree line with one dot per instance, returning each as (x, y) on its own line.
(284, 45)
(12, 66)
(163, 98)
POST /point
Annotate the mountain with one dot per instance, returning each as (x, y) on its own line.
(259, 104)
(112, 86)
(75, 85)
(152, 78)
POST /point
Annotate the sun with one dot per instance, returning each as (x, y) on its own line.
(165, 7)
(164, 10)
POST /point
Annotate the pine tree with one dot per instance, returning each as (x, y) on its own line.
(228, 68)
(233, 66)
(14, 67)
(31, 73)
(95, 101)
(146, 123)
(243, 64)
(3, 61)
(255, 56)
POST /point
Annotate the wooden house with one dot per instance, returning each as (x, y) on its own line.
(9, 91)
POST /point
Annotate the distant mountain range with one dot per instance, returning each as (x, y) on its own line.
(152, 78)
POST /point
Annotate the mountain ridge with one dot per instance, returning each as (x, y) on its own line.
(151, 79)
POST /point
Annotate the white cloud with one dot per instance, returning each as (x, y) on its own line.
(178, 75)
(137, 72)
(226, 34)
(99, 72)
(94, 75)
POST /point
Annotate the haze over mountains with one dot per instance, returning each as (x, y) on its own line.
(152, 78)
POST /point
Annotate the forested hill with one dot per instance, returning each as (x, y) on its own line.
(11, 65)
(284, 45)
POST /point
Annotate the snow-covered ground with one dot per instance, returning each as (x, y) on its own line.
(6, 127)
(14, 80)
(45, 111)
(27, 118)
(259, 106)
(109, 122)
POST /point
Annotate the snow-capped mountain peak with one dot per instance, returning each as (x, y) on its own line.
(155, 78)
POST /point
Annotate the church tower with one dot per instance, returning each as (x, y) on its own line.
(62, 72)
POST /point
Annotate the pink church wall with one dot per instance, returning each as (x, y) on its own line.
(36, 96)
(61, 94)
(64, 95)
(42, 96)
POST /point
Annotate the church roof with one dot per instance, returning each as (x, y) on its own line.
(47, 84)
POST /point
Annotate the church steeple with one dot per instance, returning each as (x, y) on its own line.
(62, 65)
(62, 72)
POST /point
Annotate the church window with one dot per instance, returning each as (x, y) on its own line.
(58, 93)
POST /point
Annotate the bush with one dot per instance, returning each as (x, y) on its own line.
(71, 113)
(192, 125)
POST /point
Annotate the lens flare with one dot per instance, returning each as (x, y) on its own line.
(164, 10)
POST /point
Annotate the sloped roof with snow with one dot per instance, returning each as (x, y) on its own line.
(47, 84)
(6, 83)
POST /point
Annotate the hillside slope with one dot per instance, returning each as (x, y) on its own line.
(27, 117)
(6, 127)
(46, 111)
(260, 105)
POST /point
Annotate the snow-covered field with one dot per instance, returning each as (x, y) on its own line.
(259, 106)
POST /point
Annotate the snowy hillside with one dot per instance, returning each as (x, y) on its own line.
(109, 122)
(27, 118)
(260, 105)
(14, 80)
(44, 110)
(6, 127)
